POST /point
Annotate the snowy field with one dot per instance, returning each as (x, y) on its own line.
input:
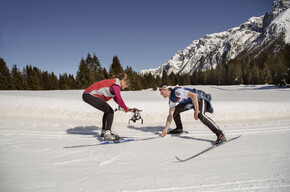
(35, 126)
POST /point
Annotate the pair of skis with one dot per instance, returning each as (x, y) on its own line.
(149, 138)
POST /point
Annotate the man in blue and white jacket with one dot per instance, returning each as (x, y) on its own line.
(182, 99)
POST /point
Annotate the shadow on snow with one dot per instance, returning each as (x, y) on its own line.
(157, 130)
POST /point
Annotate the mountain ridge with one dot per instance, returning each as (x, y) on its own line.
(253, 36)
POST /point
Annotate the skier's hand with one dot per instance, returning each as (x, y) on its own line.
(164, 133)
(126, 110)
(196, 115)
(134, 110)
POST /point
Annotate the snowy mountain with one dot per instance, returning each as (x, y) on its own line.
(251, 37)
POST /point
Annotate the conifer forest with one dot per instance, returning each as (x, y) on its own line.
(265, 69)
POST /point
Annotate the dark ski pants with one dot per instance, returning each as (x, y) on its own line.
(101, 105)
(201, 116)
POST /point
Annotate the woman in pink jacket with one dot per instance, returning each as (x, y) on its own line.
(97, 96)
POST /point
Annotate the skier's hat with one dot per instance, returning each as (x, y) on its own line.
(163, 86)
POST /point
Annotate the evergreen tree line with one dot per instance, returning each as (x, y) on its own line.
(89, 71)
(267, 68)
(32, 78)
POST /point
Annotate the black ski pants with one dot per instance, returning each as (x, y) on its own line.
(201, 116)
(103, 106)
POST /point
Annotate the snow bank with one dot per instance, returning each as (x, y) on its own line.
(231, 103)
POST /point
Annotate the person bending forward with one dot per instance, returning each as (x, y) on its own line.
(182, 99)
(97, 96)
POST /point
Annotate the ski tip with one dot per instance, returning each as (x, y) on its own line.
(237, 137)
(180, 160)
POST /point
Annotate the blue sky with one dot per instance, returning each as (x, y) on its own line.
(55, 34)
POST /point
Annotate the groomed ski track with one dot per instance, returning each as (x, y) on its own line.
(250, 147)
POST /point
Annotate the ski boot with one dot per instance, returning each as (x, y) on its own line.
(176, 131)
(103, 132)
(110, 136)
(221, 138)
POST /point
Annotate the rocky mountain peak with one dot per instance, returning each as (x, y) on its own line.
(251, 37)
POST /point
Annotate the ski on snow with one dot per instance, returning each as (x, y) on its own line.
(113, 142)
(208, 149)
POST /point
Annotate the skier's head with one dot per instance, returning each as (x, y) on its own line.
(163, 86)
(165, 89)
(124, 80)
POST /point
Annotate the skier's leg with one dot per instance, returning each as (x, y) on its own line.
(176, 115)
(101, 105)
(206, 120)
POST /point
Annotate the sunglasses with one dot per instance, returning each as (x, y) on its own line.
(162, 88)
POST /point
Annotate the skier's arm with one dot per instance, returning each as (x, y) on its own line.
(194, 99)
(168, 121)
(118, 99)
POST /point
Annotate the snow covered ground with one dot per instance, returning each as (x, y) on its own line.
(35, 126)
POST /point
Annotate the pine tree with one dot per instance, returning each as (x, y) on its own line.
(105, 73)
(6, 82)
(204, 78)
(116, 67)
(63, 82)
(286, 55)
(185, 79)
(151, 81)
(280, 68)
(32, 78)
(255, 74)
(194, 78)
(158, 80)
(172, 80)
(84, 75)
(145, 82)
(165, 78)
(266, 74)
(66, 82)
(71, 82)
(53, 81)
(234, 73)
(89, 62)
(95, 66)
(212, 79)
(18, 79)
(97, 69)
(46, 81)
(247, 78)
(39, 76)
(135, 81)
(221, 73)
